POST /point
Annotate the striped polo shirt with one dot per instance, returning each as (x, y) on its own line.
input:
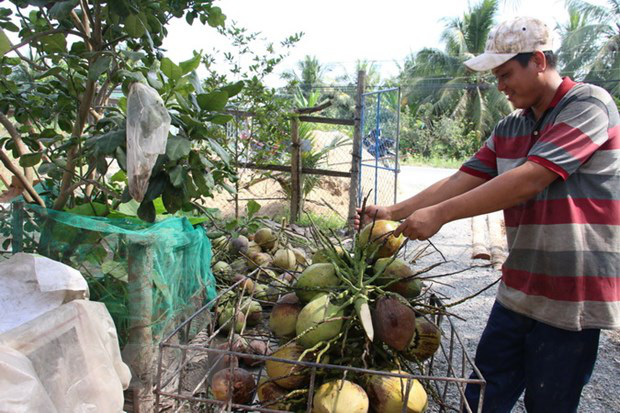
(563, 266)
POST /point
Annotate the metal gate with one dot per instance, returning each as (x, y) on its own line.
(380, 133)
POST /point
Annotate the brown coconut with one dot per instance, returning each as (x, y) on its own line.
(425, 342)
(381, 239)
(239, 245)
(394, 322)
(246, 283)
(271, 395)
(398, 269)
(255, 347)
(287, 375)
(236, 385)
(259, 259)
(284, 315)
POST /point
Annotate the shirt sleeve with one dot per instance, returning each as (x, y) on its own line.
(484, 163)
(577, 132)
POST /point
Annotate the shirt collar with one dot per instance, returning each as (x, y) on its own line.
(566, 85)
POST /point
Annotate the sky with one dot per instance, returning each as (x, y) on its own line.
(340, 32)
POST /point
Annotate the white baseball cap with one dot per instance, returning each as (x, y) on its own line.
(508, 39)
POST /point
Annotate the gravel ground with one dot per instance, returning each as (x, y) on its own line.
(602, 394)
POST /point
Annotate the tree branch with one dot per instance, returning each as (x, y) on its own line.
(22, 179)
(19, 143)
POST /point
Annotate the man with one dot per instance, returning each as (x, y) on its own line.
(553, 167)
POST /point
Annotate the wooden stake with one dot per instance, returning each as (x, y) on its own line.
(478, 238)
(357, 143)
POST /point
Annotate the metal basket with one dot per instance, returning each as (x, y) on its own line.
(444, 375)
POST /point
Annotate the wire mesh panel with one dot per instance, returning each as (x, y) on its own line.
(190, 369)
(380, 146)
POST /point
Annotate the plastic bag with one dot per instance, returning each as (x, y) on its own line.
(148, 124)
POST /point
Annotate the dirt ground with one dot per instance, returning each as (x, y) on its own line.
(602, 394)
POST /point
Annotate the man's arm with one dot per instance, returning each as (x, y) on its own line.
(447, 188)
(506, 190)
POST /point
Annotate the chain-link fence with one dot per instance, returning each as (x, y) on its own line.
(380, 146)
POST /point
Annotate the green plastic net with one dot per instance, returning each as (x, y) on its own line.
(175, 255)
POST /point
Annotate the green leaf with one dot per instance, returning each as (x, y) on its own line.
(5, 43)
(62, 9)
(30, 159)
(252, 207)
(146, 211)
(216, 17)
(46, 168)
(201, 182)
(221, 152)
(190, 64)
(119, 176)
(154, 81)
(172, 199)
(170, 69)
(176, 175)
(51, 72)
(156, 187)
(159, 206)
(220, 119)
(233, 88)
(101, 65)
(107, 143)
(177, 148)
(197, 220)
(115, 269)
(214, 101)
(134, 26)
(55, 43)
(129, 208)
(94, 209)
(131, 55)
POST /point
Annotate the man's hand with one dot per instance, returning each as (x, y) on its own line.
(421, 225)
(381, 211)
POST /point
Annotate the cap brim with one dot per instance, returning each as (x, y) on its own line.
(488, 61)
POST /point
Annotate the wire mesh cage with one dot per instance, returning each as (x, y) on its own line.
(190, 369)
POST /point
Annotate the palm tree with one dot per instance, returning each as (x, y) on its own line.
(310, 73)
(590, 47)
(440, 78)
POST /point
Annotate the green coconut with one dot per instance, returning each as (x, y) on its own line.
(300, 256)
(381, 240)
(221, 269)
(288, 375)
(265, 238)
(340, 396)
(322, 255)
(315, 324)
(285, 259)
(226, 315)
(398, 269)
(315, 278)
(387, 394)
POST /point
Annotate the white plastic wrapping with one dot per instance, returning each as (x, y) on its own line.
(148, 124)
(66, 360)
(31, 285)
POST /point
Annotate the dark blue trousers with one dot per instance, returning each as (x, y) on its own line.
(517, 353)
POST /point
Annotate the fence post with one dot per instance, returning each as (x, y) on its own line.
(296, 189)
(139, 350)
(357, 142)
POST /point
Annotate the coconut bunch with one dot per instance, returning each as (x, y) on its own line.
(266, 258)
(360, 306)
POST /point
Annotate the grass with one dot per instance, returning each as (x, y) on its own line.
(324, 222)
(434, 162)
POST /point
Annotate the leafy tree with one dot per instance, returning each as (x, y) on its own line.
(440, 78)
